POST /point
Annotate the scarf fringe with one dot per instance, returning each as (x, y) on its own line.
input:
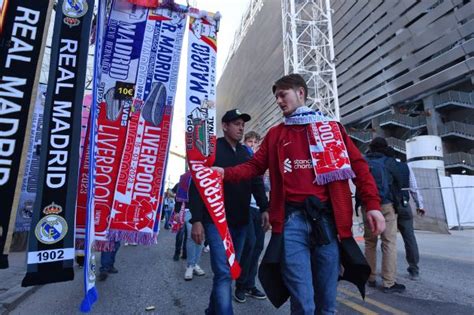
(80, 242)
(342, 174)
(104, 246)
(141, 238)
(89, 299)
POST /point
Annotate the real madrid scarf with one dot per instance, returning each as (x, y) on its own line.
(140, 178)
(328, 151)
(51, 242)
(30, 176)
(22, 39)
(200, 123)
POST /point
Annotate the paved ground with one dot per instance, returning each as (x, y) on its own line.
(149, 277)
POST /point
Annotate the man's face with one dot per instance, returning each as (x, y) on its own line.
(252, 143)
(289, 100)
(234, 129)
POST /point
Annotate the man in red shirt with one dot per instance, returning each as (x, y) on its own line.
(309, 156)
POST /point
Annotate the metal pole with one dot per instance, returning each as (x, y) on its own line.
(332, 60)
(456, 205)
(294, 38)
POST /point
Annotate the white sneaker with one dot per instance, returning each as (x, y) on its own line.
(198, 271)
(206, 249)
(188, 274)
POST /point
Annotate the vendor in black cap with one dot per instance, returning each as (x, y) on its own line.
(229, 152)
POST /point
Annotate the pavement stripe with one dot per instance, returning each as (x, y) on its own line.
(380, 305)
(357, 307)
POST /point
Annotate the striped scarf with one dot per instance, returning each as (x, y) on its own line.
(326, 145)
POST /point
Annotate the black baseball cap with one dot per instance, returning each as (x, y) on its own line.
(234, 114)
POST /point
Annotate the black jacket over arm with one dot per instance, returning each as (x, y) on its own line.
(236, 196)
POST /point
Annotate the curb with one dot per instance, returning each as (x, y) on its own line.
(14, 296)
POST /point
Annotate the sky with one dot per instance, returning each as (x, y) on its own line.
(232, 12)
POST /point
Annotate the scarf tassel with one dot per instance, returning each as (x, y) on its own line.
(342, 174)
(133, 237)
(89, 300)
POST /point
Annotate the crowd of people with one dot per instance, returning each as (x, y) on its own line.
(294, 183)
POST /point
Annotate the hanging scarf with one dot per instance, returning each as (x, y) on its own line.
(200, 124)
(326, 145)
(138, 191)
(182, 194)
(30, 177)
(51, 241)
(22, 40)
(89, 157)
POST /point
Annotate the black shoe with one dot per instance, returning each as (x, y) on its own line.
(176, 257)
(371, 284)
(112, 270)
(239, 296)
(395, 288)
(414, 275)
(256, 294)
(103, 275)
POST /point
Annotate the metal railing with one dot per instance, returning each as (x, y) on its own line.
(457, 128)
(464, 99)
(459, 159)
(397, 144)
(363, 136)
(402, 120)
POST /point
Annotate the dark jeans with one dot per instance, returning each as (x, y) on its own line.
(107, 259)
(253, 247)
(220, 302)
(181, 238)
(405, 226)
(167, 213)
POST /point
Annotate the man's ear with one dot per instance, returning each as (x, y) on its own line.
(224, 126)
(301, 93)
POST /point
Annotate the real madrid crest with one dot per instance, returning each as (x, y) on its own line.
(73, 10)
(52, 228)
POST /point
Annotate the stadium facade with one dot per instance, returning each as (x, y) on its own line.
(404, 68)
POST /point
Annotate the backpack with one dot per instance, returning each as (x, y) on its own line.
(382, 177)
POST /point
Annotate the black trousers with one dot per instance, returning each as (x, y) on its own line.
(405, 226)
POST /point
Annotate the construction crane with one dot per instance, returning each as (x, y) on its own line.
(308, 49)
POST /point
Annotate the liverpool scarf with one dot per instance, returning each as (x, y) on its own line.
(328, 151)
(51, 242)
(89, 155)
(121, 44)
(21, 52)
(141, 173)
(200, 123)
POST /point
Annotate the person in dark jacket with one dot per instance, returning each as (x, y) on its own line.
(229, 152)
(389, 177)
(408, 186)
(254, 241)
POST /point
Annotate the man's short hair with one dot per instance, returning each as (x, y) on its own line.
(252, 134)
(378, 144)
(291, 81)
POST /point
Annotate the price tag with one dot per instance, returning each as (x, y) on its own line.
(124, 91)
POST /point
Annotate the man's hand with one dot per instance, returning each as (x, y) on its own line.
(219, 170)
(376, 221)
(197, 233)
(266, 221)
(420, 212)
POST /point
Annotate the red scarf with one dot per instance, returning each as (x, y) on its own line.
(328, 151)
